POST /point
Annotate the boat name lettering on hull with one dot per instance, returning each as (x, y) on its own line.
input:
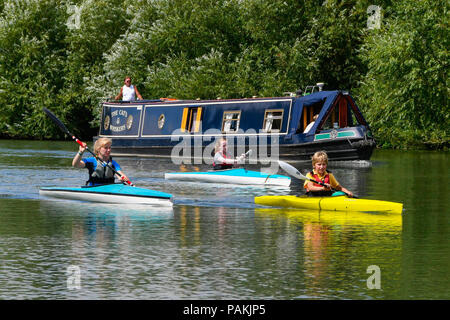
(117, 128)
(119, 112)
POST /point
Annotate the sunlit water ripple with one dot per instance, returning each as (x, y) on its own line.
(215, 243)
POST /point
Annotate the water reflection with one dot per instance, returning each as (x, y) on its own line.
(119, 211)
(333, 249)
(214, 244)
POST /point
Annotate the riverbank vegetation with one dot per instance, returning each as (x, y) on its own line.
(68, 56)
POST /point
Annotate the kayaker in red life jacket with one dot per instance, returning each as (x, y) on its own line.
(99, 174)
(320, 173)
(222, 159)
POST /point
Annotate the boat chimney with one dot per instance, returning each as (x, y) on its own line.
(320, 85)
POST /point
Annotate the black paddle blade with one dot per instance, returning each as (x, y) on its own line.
(56, 121)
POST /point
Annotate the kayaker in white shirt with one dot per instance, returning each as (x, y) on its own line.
(222, 159)
(128, 92)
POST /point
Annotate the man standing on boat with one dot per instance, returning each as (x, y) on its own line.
(128, 92)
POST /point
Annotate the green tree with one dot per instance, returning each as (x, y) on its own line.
(167, 43)
(32, 55)
(93, 27)
(69, 56)
(405, 89)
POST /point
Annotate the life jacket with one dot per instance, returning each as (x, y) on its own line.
(326, 179)
(102, 174)
(321, 193)
(222, 166)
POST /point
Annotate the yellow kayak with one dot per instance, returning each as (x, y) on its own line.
(339, 203)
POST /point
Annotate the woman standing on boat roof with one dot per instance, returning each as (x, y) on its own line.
(320, 173)
(99, 173)
(222, 159)
(128, 92)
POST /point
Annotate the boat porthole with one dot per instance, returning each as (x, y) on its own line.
(129, 122)
(161, 121)
(106, 122)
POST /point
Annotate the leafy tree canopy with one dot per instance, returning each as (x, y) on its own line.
(69, 56)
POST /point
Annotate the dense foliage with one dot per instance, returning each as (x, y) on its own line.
(407, 82)
(69, 56)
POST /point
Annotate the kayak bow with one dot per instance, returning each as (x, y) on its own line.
(110, 193)
(339, 203)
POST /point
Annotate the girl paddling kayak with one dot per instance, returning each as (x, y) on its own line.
(99, 173)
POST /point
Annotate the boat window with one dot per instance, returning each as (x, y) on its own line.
(161, 121)
(273, 120)
(343, 114)
(331, 122)
(352, 120)
(308, 115)
(191, 120)
(230, 121)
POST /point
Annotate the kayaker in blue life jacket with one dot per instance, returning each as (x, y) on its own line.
(320, 173)
(99, 173)
(222, 159)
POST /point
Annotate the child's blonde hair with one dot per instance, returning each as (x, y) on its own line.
(319, 156)
(218, 145)
(101, 143)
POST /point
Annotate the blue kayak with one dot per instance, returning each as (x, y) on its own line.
(235, 176)
(110, 193)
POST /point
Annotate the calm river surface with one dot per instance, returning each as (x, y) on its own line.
(215, 243)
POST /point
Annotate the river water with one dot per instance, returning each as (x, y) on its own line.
(215, 243)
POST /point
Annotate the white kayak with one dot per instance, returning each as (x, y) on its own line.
(110, 193)
(234, 176)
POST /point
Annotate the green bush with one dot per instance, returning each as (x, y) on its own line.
(71, 56)
(405, 88)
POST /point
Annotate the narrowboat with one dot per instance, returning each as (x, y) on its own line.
(186, 130)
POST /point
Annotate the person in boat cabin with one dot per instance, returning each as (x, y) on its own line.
(320, 173)
(99, 173)
(222, 159)
(309, 126)
(128, 92)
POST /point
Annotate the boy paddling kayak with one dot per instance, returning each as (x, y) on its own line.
(320, 173)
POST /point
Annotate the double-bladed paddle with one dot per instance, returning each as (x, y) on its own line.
(295, 173)
(66, 131)
(247, 154)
